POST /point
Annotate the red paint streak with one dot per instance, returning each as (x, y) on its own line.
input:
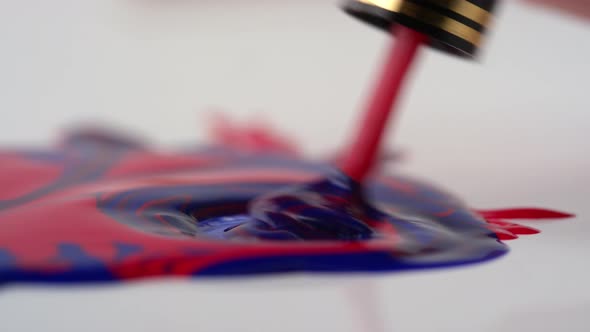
(510, 231)
(503, 234)
(523, 213)
(514, 228)
(20, 176)
(361, 156)
(149, 163)
(256, 137)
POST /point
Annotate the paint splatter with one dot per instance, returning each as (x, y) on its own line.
(102, 208)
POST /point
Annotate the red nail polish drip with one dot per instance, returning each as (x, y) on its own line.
(362, 151)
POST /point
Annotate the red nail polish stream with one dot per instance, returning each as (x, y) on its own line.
(361, 154)
(338, 210)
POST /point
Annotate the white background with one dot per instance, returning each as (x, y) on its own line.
(510, 130)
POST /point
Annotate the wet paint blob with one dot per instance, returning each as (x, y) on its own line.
(114, 210)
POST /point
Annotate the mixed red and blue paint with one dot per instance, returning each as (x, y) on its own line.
(101, 207)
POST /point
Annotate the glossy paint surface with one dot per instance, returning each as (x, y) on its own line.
(103, 208)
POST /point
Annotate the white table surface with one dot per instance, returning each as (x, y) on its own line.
(511, 130)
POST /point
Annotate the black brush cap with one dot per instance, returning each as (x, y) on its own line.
(454, 26)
